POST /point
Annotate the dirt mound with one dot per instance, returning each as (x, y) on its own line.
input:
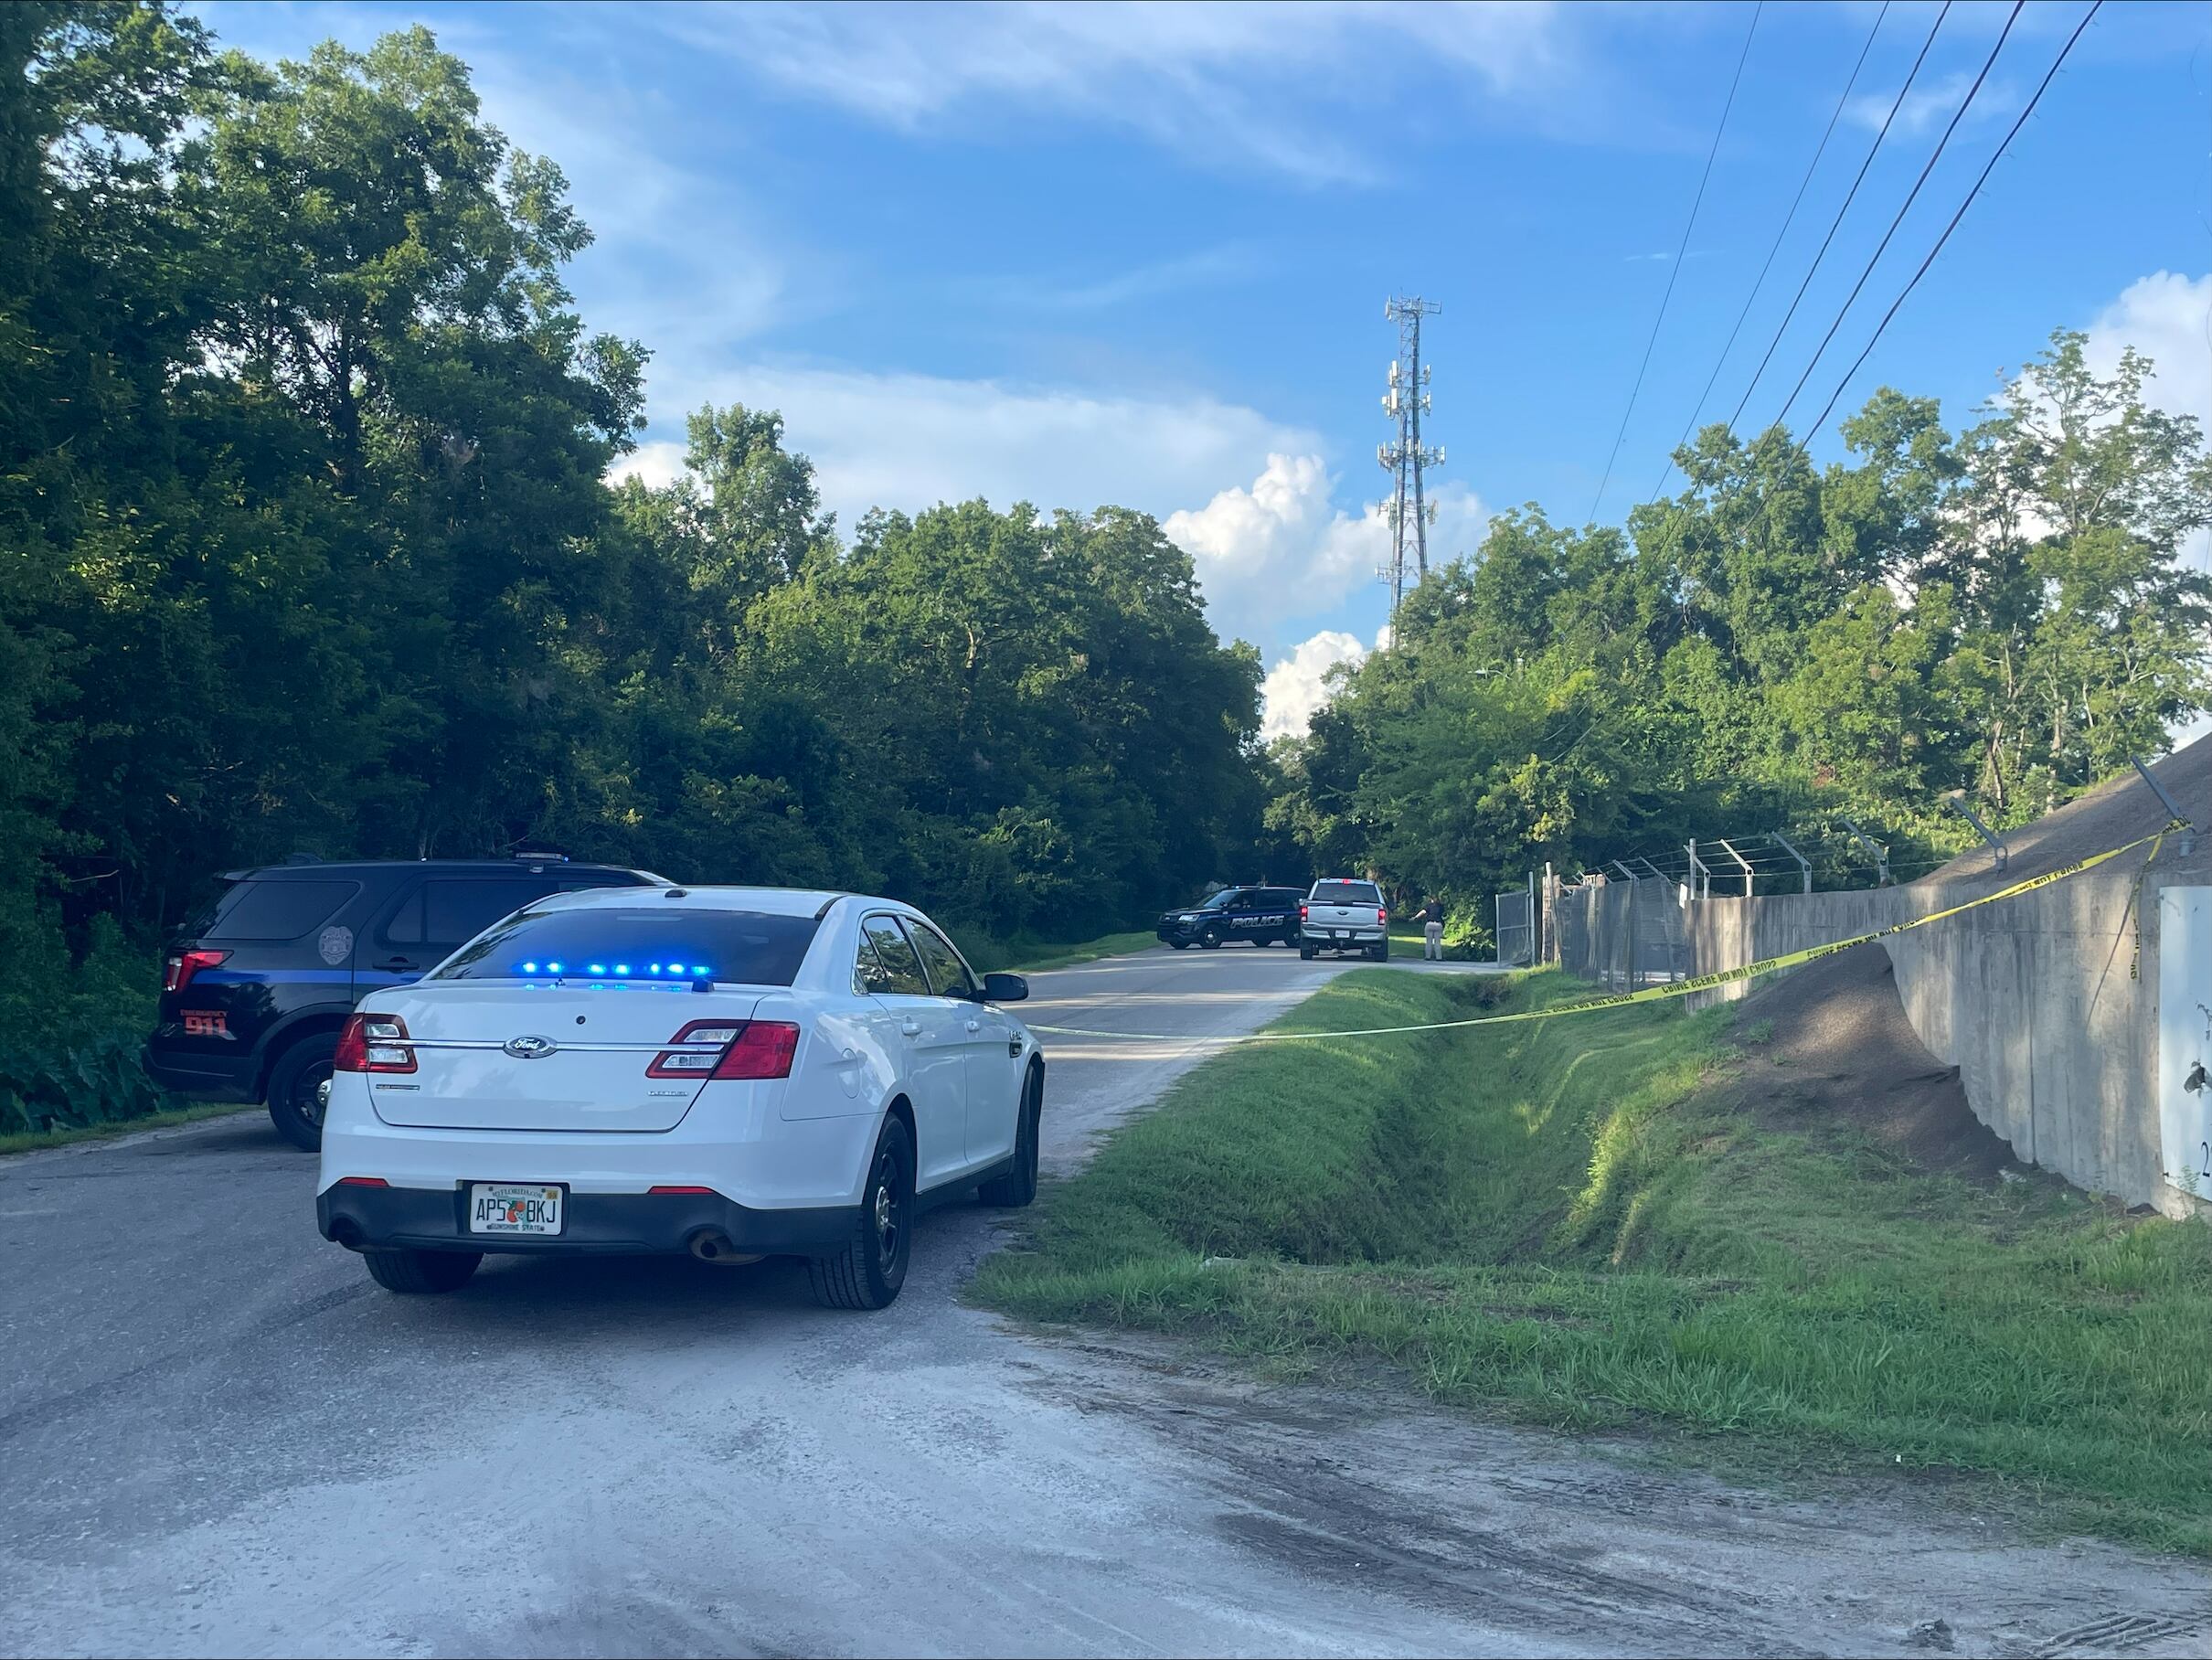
(1843, 1051)
(2115, 812)
(1842, 1048)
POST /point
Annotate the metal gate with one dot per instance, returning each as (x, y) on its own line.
(1516, 931)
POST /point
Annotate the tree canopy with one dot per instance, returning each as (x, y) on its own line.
(2005, 611)
(306, 543)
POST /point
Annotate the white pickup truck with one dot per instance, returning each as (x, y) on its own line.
(1340, 916)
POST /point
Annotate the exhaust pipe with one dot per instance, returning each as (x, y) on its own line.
(711, 1245)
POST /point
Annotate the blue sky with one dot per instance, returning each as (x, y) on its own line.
(1139, 254)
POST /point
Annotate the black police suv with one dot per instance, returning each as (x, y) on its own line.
(1262, 915)
(253, 992)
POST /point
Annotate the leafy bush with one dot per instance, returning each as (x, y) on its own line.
(70, 1034)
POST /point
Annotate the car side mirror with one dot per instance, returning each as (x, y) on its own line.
(1005, 988)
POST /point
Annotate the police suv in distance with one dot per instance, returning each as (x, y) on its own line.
(255, 991)
(1262, 915)
(734, 1072)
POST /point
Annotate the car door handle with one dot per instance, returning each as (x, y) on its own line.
(912, 1028)
(397, 963)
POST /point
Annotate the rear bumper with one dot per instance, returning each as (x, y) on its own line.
(213, 1078)
(1345, 939)
(598, 1224)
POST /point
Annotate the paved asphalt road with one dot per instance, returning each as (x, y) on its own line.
(217, 1437)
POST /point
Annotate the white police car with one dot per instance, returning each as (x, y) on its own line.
(735, 1072)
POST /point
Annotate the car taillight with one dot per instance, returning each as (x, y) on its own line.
(177, 971)
(373, 1043)
(1302, 913)
(763, 1049)
(1381, 914)
(750, 1048)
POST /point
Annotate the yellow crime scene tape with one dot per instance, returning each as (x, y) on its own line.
(1656, 994)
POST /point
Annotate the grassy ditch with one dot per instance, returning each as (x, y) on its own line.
(1573, 1220)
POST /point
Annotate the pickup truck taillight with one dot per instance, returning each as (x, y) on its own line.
(1382, 914)
(1303, 913)
(177, 971)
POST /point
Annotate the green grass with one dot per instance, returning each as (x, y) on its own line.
(33, 1141)
(1568, 1220)
(1408, 943)
(1026, 954)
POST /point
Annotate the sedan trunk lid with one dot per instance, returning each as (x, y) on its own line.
(508, 1056)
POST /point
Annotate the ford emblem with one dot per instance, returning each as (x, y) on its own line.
(530, 1048)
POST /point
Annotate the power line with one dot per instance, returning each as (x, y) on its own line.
(1956, 116)
(1788, 219)
(1836, 224)
(1674, 274)
(1997, 157)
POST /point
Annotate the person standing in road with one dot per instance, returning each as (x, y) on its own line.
(1433, 930)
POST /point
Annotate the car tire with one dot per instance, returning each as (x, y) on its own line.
(1210, 940)
(871, 1268)
(421, 1272)
(1306, 951)
(1379, 953)
(298, 1090)
(1019, 1186)
(1178, 945)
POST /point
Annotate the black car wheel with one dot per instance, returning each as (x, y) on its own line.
(416, 1273)
(299, 1090)
(871, 1268)
(1211, 939)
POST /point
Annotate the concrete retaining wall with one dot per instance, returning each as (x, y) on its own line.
(2047, 1004)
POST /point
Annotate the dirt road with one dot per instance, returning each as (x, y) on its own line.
(217, 1437)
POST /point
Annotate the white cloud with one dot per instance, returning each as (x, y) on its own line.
(1208, 80)
(1298, 685)
(2168, 318)
(1279, 547)
(1925, 106)
(659, 464)
(909, 442)
(1206, 268)
(1274, 548)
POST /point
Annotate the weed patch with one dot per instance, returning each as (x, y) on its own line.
(1582, 1221)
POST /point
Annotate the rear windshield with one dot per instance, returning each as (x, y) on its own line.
(750, 948)
(276, 910)
(1346, 893)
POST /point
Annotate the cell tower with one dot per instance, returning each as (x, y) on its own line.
(1408, 511)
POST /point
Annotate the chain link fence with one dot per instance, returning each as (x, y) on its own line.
(1624, 933)
(1516, 929)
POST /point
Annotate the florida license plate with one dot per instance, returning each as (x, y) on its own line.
(514, 1207)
